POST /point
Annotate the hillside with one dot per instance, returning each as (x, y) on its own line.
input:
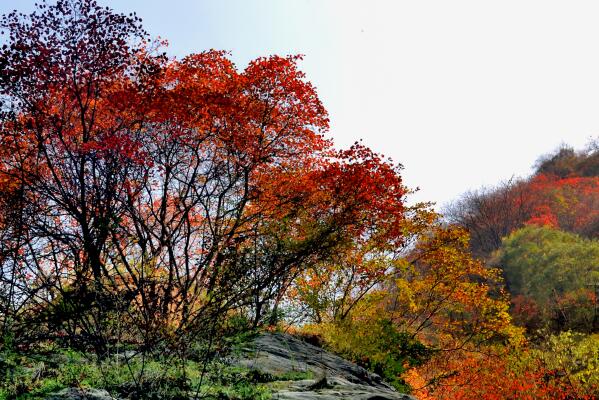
(160, 217)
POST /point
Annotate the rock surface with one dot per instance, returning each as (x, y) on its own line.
(80, 394)
(333, 377)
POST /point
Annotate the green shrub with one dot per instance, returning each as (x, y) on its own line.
(378, 346)
(575, 356)
(550, 270)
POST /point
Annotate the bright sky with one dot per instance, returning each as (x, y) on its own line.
(463, 93)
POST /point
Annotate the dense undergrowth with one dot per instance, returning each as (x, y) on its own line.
(47, 369)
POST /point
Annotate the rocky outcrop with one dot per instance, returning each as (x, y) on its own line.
(331, 377)
(294, 370)
(80, 394)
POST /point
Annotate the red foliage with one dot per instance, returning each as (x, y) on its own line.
(189, 173)
(571, 204)
(484, 377)
(525, 312)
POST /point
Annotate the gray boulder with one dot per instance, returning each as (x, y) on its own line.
(334, 377)
(80, 394)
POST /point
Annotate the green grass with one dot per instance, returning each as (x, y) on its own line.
(295, 376)
(34, 376)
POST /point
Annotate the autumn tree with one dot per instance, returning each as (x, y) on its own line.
(10, 240)
(517, 375)
(330, 289)
(489, 214)
(443, 289)
(552, 268)
(570, 204)
(426, 305)
(166, 194)
(566, 162)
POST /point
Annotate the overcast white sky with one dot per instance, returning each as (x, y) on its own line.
(462, 93)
